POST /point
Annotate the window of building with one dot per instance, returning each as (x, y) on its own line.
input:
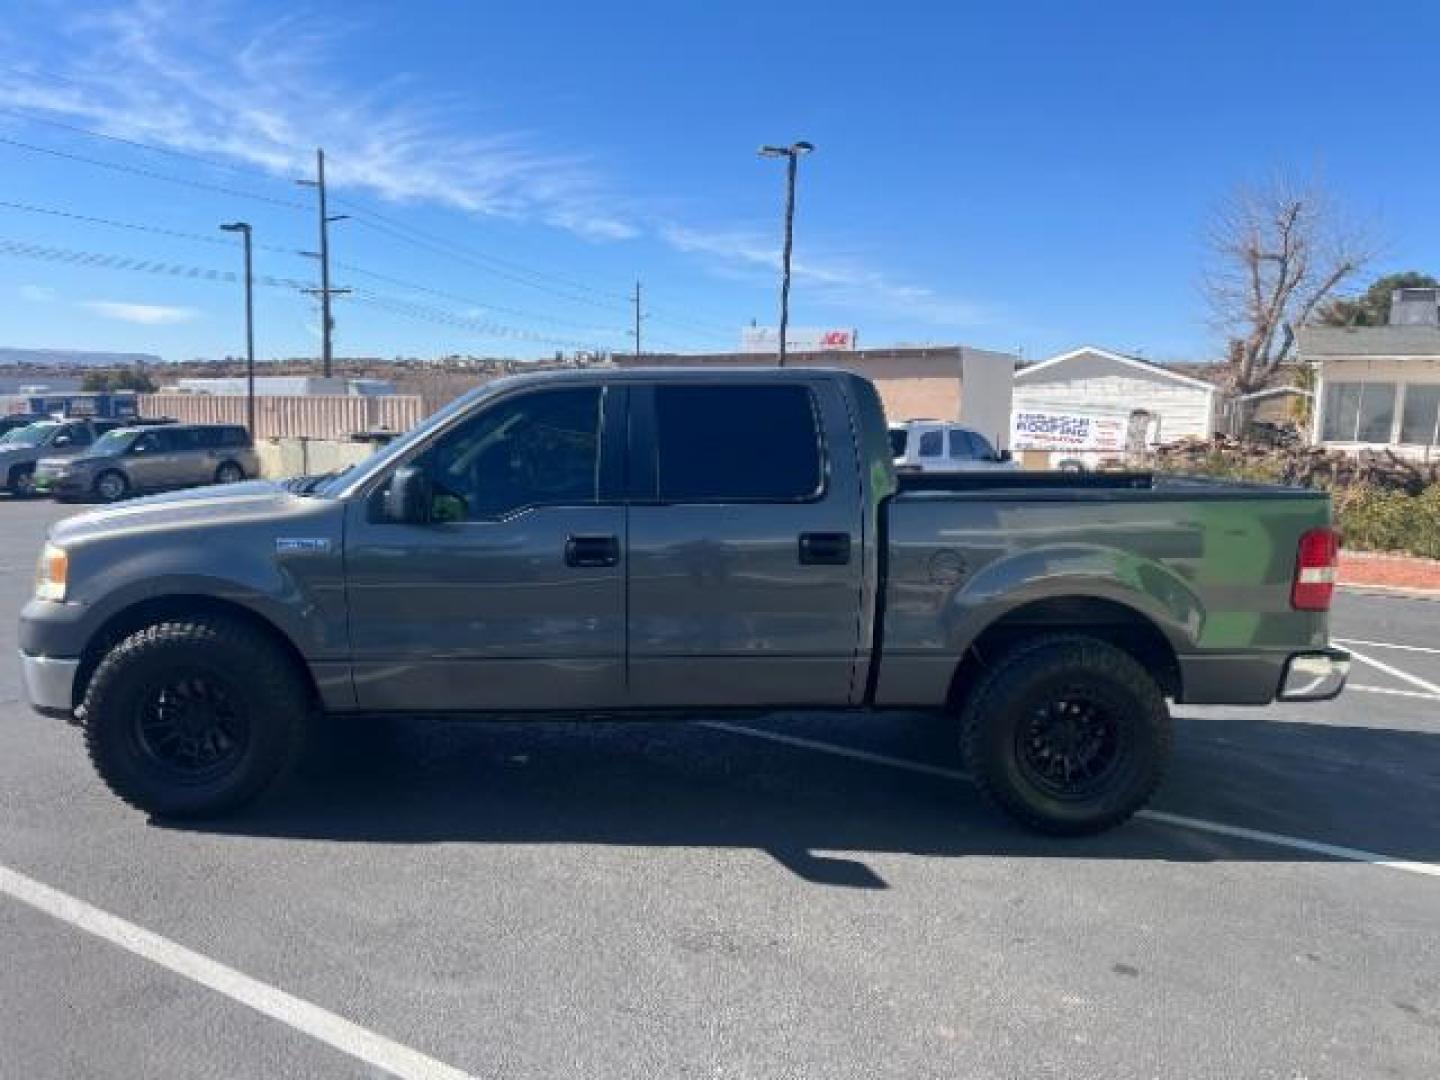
(1359, 412)
(737, 444)
(1419, 421)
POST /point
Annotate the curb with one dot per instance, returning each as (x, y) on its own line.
(1389, 590)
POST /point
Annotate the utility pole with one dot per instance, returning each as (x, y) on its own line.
(636, 299)
(792, 155)
(327, 324)
(243, 228)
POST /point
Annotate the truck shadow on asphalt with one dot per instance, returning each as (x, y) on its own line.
(639, 784)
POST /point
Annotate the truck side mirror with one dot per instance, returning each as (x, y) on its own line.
(409, 496)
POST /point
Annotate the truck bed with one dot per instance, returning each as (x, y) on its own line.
(1207, 563)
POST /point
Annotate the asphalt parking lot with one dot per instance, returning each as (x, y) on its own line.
(797, 897)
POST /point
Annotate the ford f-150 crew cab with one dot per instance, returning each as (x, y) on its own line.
(597, 542)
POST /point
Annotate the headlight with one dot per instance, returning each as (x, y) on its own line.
(52, 573)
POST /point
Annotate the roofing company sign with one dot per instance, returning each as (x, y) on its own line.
(1035, 429)
(766, 339)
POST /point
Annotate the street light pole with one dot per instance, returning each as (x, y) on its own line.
(792, 155)
(243, 228)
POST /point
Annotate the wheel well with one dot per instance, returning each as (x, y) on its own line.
(161, 608)
(1121, 626)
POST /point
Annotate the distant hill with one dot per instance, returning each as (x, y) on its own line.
(60, 358)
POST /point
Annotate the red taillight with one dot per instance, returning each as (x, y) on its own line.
(1315, 568)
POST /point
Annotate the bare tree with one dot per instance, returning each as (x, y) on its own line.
(1277, 251)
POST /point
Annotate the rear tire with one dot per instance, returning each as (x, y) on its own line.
(193, 718)
(111, 486)
(1067, 734)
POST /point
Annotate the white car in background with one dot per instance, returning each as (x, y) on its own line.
(940, 446)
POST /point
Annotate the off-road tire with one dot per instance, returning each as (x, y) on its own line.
(1029, 678)
(255, 672)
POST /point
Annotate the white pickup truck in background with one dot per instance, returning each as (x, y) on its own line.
(940, 446)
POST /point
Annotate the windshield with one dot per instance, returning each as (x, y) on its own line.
(114, 442)
(34, 435)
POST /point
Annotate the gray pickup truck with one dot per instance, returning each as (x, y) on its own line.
(604, 542)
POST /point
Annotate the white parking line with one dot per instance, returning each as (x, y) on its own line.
(345, 1036)
(1160, 817)
(1364, 689)
(1387, 645)
(1404, 676)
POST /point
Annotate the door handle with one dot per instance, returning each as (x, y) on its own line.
(592, 551)
(824, 549)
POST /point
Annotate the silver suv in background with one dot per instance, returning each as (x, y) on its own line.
(138, 459)
(22, 447)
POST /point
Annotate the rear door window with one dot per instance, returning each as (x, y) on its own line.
(737, 444)
(179, 440)
(932, 443)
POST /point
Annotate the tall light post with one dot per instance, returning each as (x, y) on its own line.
(243, 228)
(792, 155)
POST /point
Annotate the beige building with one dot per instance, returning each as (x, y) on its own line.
(1376, 387)
(940, 382)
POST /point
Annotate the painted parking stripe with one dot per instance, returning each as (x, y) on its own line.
(344, 1035)
(1391, 691)
(1387, 645)
(1389, 669)
(1160, 817)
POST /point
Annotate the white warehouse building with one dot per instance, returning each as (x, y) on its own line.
(1100, 386)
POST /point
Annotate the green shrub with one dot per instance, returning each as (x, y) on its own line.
(1374, 520)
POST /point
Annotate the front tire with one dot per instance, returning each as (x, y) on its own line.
(111, 486)
(229, 473)
(193, 718)
(21, 483)
(1067, 734)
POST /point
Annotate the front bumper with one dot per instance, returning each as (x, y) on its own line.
(1315, 676)
(49, 683)
(61, 483)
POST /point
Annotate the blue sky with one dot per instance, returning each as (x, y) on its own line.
(1015, 176)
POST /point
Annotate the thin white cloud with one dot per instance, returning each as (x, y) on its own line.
(193, 77)
(833, 280)
(196, 76)
(144, 314)
(37, 294)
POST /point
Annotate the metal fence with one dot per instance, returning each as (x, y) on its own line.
(281, 417)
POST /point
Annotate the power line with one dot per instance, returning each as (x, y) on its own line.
(157, 230)
(369, 217)
(404, 284)
(350, 267)
(151, 174)
(108, 261)
(76, 129)
(476, 326)
(482, 263)
(514, 267)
